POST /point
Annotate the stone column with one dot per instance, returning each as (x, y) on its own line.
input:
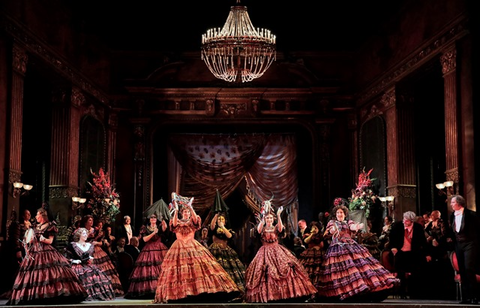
(64, 151)
(19, 68)
(448, 60)
(400, 151)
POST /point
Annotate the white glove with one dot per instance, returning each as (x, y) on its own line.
(42, 238)
(76, 261)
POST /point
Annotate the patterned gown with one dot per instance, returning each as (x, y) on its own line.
(144, 277)
(190, 270)
(45, 275)
(312, 258)
(228, 258)
(104, 262)
(275, 274)
(348, 268)
(95, 281)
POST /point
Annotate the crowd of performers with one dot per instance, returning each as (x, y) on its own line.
(330, 261)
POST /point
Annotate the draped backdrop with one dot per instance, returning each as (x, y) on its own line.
(264, 165)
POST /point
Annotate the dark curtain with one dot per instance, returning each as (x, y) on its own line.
(212, 162)
(266, 162)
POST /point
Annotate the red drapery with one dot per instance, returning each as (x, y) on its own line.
(266, 162)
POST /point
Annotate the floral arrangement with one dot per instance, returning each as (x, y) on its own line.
(104, 202)
(363, 197)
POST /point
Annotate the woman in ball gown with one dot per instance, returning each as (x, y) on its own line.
(45, 276)
(349, 269)
(80, 254)
(275, 274)
(312, 257)
(225, 255)
(189, 271)
(144, 277)
(100, 257)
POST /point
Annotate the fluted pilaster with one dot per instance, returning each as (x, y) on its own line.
(448, 61)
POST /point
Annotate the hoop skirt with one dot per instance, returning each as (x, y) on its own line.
(275, 274)
(312, 259)
(349, 269)
(45, 276)
(189, 269)
(228, 259)
(95, 282)
(104, 262)
(144, 277)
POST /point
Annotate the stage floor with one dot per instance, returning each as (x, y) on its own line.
(388, 303)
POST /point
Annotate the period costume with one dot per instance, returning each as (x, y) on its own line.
(45, 276)
(189, 269)
(348, 268)
(144, 277)
(275, 274)
(312, 257)
(94, 280)
(104, 262)
(227, 257)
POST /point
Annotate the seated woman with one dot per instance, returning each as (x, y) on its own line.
(80, 254)
(100, 257)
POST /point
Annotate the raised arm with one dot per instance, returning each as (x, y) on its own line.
(279, 219)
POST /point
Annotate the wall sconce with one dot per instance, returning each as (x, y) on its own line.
(17, 189)
(77, 202)
(389, 205)
(448, 186)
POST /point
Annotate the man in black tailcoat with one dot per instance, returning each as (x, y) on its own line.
(465, 227)
(408, 245)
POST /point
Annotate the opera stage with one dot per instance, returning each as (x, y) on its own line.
(388, 303)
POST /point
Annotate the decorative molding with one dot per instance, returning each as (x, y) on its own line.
(429, 50)
(20, 59)
(41, 49)
(14, 176)
(233, 110)
(452, 175)
(210, 107)
(403, 190)
(139, 133)
(113, 120)
(388, 98)
(449, 61)
(59, 95)
(61, 192)
(373, 112)
(77, 98)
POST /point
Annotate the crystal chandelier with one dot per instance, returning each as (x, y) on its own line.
(238, 50)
